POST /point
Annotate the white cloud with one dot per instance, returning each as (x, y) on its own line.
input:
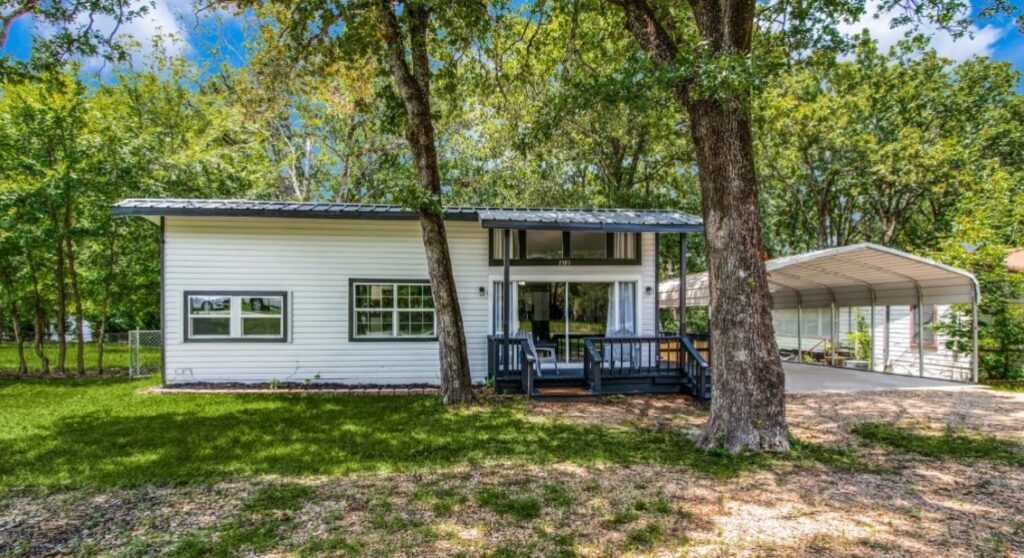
(162, 20)
(979, 41)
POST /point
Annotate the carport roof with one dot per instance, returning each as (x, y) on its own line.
(854, 275)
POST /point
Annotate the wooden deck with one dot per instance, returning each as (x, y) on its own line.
(611, 365)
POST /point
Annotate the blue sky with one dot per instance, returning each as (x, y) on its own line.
(996, 38)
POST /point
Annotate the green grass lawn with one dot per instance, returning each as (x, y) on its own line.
(115, 356)
(105, 432)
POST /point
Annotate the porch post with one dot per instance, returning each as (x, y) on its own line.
(682, 284)
(506, 294)
(657, 287)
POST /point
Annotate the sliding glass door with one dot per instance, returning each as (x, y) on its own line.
(560, 315)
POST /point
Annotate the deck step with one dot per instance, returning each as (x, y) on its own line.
(563, 391)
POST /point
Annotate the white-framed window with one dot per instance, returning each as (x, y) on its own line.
(236, 316)
(389, 310)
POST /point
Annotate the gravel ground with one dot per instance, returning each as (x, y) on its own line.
(889, 503)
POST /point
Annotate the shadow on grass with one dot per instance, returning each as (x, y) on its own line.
(128, 439)
(951, 444)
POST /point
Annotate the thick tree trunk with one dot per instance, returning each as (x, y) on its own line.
(76, 294)
(456, 385)
(413, 84)
(748, 408)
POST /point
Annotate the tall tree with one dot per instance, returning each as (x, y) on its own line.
(398, 36)
(748, 410)
(705, 51)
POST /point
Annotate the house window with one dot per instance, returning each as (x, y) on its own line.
(262, 316)
(498, 244)
(546, 247)
(388, 310)
(235, 316)
(209, 316)
(624, 246)
(588, 245)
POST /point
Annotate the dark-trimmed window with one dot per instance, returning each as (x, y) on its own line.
(236, 316)
(549, 247)
(388, 310)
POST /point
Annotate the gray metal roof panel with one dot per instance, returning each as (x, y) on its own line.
(549, 218)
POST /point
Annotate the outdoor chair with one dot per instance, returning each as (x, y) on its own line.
(545, 357)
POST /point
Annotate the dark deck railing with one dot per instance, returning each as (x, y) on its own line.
(643, 363)
(508, 360)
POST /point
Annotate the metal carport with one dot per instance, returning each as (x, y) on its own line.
(856, 275)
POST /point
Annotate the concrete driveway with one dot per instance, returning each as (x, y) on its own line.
(806, 378)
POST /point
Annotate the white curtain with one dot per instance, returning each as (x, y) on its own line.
(610, 325)
(627, 307)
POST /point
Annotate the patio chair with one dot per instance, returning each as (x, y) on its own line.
(545, 357)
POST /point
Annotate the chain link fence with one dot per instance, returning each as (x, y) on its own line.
(145, 352)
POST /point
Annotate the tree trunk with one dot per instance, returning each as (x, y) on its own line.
(19, 338)
(101, 338)
(413, 84)
(62, 312)
(12, 306)
(76, 293)
(748, 408)
(38, 323)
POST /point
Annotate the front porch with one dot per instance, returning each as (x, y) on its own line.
(577, 296)
(611, 365)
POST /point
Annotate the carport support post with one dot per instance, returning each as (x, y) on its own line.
(832, 327)
(974, 334)
(799, 333)
(682, 284)
(871, 337)
(920, 337)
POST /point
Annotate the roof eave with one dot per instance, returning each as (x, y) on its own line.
(595, 227)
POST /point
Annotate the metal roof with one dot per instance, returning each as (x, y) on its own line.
(646, 220)
(852, 275)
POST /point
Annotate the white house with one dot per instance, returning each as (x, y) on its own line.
(290, 292)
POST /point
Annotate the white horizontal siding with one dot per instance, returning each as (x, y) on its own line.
(939, 361)
(313, 261)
